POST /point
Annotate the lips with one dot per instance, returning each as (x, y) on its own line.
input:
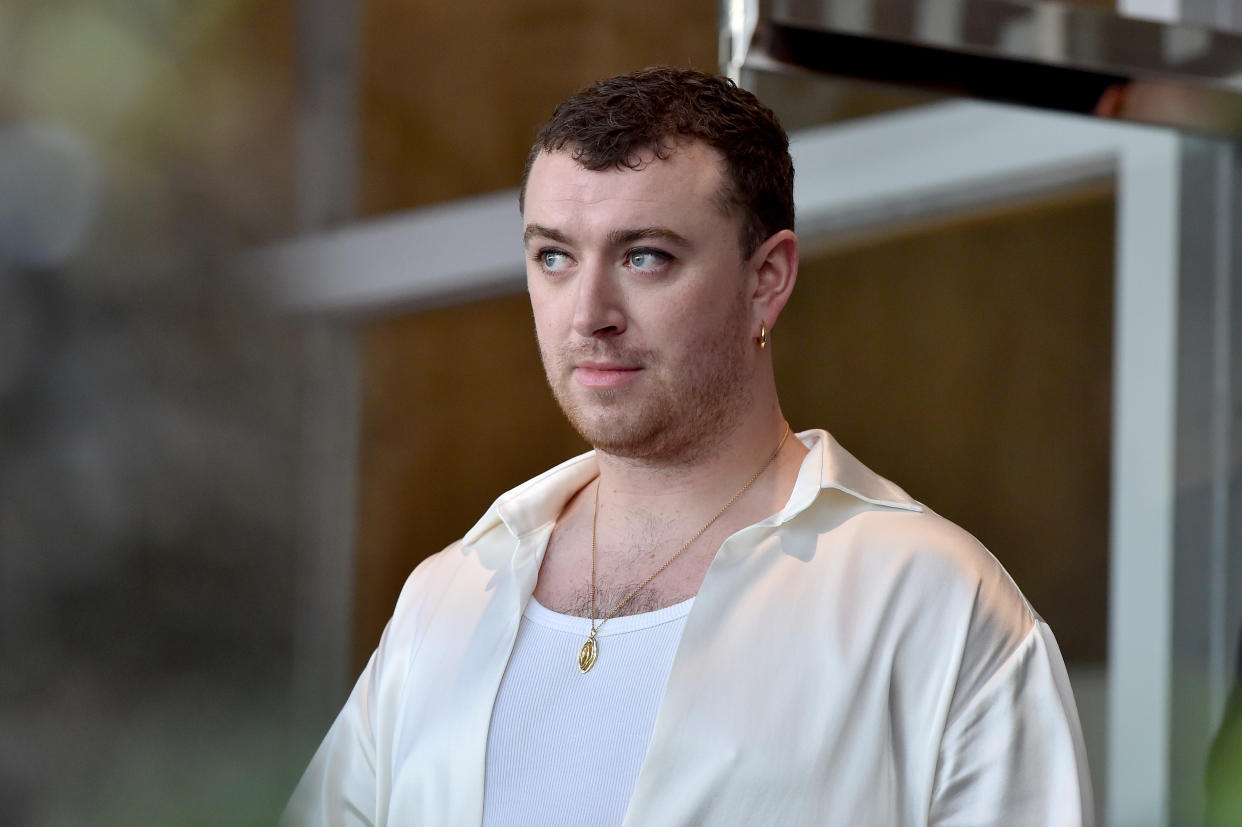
(596, 374)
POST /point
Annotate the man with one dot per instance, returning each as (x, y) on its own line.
(706, 620)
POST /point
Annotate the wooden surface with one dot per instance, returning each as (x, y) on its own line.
(970, 363)
(453, 93)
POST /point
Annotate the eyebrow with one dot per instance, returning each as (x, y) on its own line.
(619, 237)
(540, 231)
(616, 238)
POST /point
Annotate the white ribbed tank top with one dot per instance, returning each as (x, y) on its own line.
(565, 748)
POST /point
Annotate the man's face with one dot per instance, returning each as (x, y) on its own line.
(641, 301)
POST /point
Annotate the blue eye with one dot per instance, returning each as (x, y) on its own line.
(647, 260)
(553, 260)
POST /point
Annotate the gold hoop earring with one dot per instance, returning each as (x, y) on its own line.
(763, 336)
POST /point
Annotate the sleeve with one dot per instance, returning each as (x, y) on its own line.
(1012, 753)
(339, 787)
(348, 781)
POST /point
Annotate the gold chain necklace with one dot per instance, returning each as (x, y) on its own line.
(589, 652)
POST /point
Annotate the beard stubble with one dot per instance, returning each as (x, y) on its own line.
(675, 413)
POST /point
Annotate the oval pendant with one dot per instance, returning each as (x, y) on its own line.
(587, 655)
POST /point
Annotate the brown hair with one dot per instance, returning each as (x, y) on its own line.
(612, 123)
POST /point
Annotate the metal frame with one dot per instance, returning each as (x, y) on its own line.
(1065, 57)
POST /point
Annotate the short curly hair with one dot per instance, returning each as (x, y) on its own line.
(613, 123)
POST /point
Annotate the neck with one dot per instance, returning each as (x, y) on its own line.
(648, 510)
(708, 474)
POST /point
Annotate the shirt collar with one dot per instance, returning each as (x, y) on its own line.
(537, 502)
(828, 465)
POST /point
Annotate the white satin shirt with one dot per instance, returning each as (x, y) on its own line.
(854, 659)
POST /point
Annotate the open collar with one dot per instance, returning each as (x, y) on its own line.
(538, 502)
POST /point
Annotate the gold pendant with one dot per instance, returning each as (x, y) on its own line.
(587, 654)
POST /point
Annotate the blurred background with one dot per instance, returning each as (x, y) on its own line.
(212, 489)
(149, 417)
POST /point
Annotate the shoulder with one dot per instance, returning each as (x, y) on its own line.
(444, 587)
(963, 599)
(937, 586)
(919, 550)
(436, 577)
(856, 512)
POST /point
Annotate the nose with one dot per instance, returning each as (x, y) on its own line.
(599, 310)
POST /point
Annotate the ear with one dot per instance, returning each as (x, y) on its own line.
(775, 267)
